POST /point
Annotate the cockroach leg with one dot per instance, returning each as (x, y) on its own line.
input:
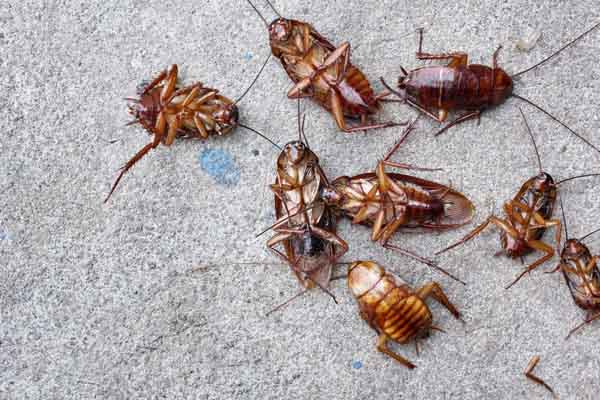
(162, 75)
(586, 321)
(500, 223)
(461, 119)
(540, 246)
(529, 374)
(382, 347)
(495, 57)
(434, 290)
(456, 59)
(138, 156)
(338, 113)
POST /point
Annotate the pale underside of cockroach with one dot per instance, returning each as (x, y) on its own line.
(400, 202)
(168, 111)
(527, 217)
(392, 308)
(305, 227)
(582, 276)
(324, 73)
(390, 202)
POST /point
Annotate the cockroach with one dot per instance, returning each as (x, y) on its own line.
(389, 202)
(168, 111)
(436, 90)
(530, 375)
(582, 275)
(528, 216)
(392, 308)
(305, 227)
(323, 72)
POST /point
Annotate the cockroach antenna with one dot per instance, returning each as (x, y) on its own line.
(261, 135)
(589, 234)
(556, 120)
(562, 210)
(254, 81)
(259, 14)
(576, 177)
(537, 153)
(274, 9)
(556, 52)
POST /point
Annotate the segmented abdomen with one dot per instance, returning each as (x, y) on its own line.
(450, 88)
(387, 302)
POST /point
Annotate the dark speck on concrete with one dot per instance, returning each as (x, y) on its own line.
(220, 166)
(255, 152)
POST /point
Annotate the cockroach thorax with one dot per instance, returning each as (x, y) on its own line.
(503, 86)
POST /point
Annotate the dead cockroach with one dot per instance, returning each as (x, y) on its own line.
(305, 227)
(324, 73)
(392, 308)
(530, 375)
(389, 202)
(528, 215)
(462, 86)
(167, 112)
(582, 275)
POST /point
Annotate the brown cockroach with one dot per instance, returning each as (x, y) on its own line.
(530, 375)
(305, 227)
(528, 216)
(582, 275)
(168, 111)
(389, 202)
(462, 86)
(392, 308)
(324, 73)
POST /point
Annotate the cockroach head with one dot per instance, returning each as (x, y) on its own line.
(543, 182)
(574, 249)
(280, 30)
(295, 151)
(227, 118)
(503, 86)
(146, 108)
(331, 196)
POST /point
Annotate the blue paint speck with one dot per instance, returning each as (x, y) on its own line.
(3, 235)
(220, 166)
(247, 56)
(357, 364)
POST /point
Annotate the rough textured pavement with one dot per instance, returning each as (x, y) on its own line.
(162, 292)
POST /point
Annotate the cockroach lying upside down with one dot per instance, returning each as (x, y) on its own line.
(390, 202)
(323, 72)
(168, 111)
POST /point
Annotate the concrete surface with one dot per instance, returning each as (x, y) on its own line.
(162, 292)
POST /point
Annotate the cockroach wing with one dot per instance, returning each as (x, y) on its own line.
(458, 209)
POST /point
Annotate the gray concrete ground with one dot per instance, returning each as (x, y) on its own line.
(162, 292)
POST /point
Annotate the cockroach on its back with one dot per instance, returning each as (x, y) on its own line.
(581, 273)
(389, 202)
(528, 216)
(168, 111)
(436, 90)
(392, 308)
(305, 227)
(323, 72)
